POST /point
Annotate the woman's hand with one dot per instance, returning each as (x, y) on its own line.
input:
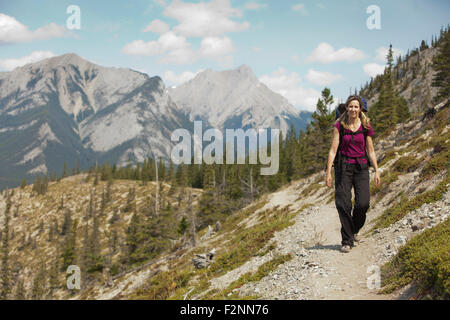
(377, 178)
(328, 179)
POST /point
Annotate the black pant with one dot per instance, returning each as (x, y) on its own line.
(351, 175)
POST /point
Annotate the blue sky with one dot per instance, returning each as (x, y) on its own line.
(296, 47)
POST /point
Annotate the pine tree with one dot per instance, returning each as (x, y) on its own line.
(402, 110)
(133, 238)
(114, 240)
(69, 252)
(96, 177)
(193, 218)
(84, 254)
(423, 45)
(37, 184)
(171, 178)
(77, 167)
(106, 172)
(441, 64)
(130, 205)
(103, 203)
(67, 223)
(384, 113)
(44, 186)
(183, 226)
(95, 258)
(322, 125)
(39, 283)
(65, 172)
(207, 202)
(53, 276)
(108, 191)
(161, 170)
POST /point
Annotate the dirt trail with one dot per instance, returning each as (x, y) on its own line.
(318, 269)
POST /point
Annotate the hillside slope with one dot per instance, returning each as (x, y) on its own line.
(285, 245)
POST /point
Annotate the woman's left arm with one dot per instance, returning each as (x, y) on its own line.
(373, 159)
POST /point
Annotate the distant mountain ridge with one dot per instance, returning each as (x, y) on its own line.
(236, 99)
(67, 109)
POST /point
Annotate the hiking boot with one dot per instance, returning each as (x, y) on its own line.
(356, 238)
(345, 248)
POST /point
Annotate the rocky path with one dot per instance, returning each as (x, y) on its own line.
(318, 270)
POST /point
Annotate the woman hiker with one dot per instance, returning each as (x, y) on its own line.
(352, 135)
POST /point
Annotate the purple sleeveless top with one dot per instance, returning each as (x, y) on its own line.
(356, 147)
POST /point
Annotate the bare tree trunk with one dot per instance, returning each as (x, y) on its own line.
(191, 213)
(251, 183)
(157, 188)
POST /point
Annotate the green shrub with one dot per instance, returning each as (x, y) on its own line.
(389, 155)
(407, 164)
(162, 285)
(441, 156)
(247, 243)
(424, 259)
(398, 211)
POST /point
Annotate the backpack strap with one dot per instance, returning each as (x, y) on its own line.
(338, 157)
(366, 132)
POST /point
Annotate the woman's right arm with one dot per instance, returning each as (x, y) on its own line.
(332, 155)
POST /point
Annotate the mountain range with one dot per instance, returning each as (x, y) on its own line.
(66, 109)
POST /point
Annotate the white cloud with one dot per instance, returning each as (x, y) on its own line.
(215, 47)
(205, 19)
(254, 5)
(168, 41)
(12, 31)
(173, 79)
(300, 7)
(373, 69)
(288, 85)
(322, 78)
(10, 64)
(325, 53)
(382, 52)
(176, 49)
(157, 26)
(180, 56)
(161, 2)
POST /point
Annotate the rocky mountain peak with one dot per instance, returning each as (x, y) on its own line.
(235, 99)
(245, 70)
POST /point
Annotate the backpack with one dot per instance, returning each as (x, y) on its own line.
(340, 158)
(340, 110)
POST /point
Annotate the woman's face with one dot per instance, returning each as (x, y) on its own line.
(353, 109)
